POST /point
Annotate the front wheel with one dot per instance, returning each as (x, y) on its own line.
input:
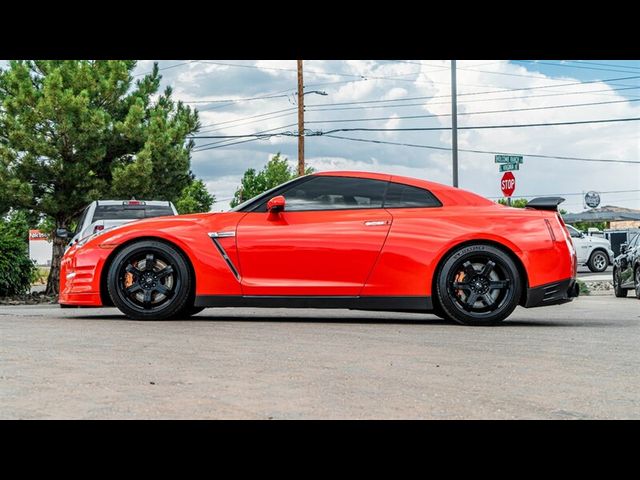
(598, 262)
(618, 291)
(637, 282)
(478, 285)
(149, 280)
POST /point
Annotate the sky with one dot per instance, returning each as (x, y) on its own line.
(388, 91)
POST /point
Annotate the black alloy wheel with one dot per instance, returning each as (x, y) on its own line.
(478, 285)
(150, 280)
(637, 282)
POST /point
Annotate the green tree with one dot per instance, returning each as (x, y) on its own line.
(275, 172)
(75, 131)
(516, 203)
(584, 226)
(195, 198)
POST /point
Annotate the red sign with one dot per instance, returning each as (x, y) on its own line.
(37, 235)
(508, 184)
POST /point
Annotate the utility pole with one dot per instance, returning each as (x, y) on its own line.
(454, 123)
(300, 120)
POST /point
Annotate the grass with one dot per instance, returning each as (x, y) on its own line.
(40, 276)
(584, 289)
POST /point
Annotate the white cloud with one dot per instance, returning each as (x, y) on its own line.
(477, 172)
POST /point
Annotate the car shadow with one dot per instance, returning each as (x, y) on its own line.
(425, 319)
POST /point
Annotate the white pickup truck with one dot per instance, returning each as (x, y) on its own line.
(104, 214)
(594, 252)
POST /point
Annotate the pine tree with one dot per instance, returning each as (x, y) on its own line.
(73, 131)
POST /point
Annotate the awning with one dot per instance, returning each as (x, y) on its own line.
(603, 214)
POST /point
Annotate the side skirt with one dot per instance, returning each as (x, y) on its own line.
(413, 304)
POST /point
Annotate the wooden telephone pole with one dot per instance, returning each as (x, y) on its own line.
(300, 120)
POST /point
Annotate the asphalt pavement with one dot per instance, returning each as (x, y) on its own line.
(572, 361)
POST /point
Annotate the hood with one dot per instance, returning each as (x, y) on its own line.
(598, 240)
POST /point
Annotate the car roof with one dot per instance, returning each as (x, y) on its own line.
(146, 202)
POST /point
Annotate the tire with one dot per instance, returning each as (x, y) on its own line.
(636, 276)
(598, 261)
(618, 291)
(488, 285)
(150, 280)
(438, 311)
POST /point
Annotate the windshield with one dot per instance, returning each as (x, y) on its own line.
(241, 206)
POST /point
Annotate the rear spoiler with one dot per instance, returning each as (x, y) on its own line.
(545, 203)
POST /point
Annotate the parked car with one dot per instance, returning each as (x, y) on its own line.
(626, 268)
(104, 214)
(593, 251)
(365, 241)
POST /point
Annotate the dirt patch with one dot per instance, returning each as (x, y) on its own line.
(29, 299)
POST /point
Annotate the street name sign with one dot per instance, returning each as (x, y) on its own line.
(509, 159)
(507, 167)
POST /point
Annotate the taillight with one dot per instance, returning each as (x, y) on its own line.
(98, 228)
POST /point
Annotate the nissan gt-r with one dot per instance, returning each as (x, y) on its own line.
(355, 240)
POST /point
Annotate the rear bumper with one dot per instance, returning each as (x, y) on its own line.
(552, 293)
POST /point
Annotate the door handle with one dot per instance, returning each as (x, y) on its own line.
(374, 223)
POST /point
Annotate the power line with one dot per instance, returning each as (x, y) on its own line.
(165, 68)
(422, 104)
(235, 100)
(258, 118)
(604, 64)
(432, 147)
(359, 76)
(528, 61)
(479, 127)
(470, 113)
(495, 91)
(260, 134)
(571, 66)
(421, 129)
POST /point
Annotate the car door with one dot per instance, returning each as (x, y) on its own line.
(626, 264)
(580, 243)
(324, 243)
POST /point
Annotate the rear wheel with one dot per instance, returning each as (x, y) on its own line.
(617, 290)
(637, 282)
(150, 280)
(478, 285)
(598, 262)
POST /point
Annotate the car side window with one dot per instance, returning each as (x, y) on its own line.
(335, 193)
(407, 196)
(575, 233)
(81, 220)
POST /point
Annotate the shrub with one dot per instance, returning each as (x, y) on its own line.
(16, 268)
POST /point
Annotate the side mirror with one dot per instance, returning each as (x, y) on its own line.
(63, 233)
(276, 204)
(623, 248)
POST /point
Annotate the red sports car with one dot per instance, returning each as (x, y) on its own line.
(354, 240)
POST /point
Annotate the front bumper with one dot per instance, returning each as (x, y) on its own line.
(552, 293)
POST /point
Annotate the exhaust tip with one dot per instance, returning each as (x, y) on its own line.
(574, 291)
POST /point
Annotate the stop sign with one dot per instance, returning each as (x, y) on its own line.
(508, 184)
